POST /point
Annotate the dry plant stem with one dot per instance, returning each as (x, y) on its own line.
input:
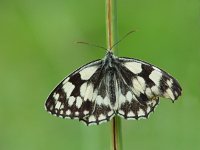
(111, 20)
(112, 33)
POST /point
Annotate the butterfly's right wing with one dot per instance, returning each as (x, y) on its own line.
(140, 86)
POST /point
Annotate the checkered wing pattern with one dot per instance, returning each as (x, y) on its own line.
(140, 86)
(82, 96)
(98, 91)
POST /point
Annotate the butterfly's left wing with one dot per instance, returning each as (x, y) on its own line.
(140, 86)
(82, 95)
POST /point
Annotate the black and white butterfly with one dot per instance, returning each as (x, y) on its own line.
(101, 89)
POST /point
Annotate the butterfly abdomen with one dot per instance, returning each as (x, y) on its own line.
(111, 85)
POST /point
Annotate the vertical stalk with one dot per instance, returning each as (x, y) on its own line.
(111, 23)
(112, 38)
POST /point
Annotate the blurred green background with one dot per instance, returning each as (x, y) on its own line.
(38, 49)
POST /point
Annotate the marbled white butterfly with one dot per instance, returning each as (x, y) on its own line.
(101, 89)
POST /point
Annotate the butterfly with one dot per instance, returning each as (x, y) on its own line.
(99, 90)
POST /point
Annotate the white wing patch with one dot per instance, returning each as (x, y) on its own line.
(129, 96)
(79, 102)
(58, 105)
(71, 100)
(106, 101)
(89, 92)
(83, 89)
(88, 72)
(141, 82)
(171, 95)
(155, 76)
(56, 96)
(99, 100)
(137, 86)
(134, 67)
(68, 87)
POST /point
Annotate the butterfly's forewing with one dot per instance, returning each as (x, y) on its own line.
(153, 80)
(82, 96)
(102, 111)
(141, 85)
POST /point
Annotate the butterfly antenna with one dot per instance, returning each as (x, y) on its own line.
(122, 38)
(92, 45)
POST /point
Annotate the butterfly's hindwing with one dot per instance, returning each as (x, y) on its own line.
(133, 102)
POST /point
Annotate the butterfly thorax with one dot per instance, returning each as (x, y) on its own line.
(109, 59)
